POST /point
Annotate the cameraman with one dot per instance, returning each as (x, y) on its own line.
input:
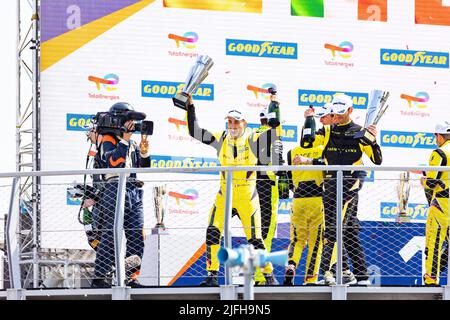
(118, 150)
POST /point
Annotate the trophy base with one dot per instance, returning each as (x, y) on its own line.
(181, 100)
(159, 229)
(365, 136)
(402, 217)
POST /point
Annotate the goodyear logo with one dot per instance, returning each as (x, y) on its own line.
(418, 211)
(164, 89)
(78, 122)
(414, 58)
(161, 161)
(319, 98)
(72, 201)
(288, 133)
(284, 206)
(263, 49)
(403, 139)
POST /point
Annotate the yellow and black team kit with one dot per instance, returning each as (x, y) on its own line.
(243, 151)
(267, 187)
(341, 148)
(307, 219)
(437, 219)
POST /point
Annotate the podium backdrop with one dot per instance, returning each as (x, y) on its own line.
(96, 53)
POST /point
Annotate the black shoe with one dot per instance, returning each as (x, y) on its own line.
(211, 280)
(271, 280)
(100, 283)
(289, 275)
(136, 284)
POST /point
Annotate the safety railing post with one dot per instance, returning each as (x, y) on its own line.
(119, 232)
(227, 220)
(12, 239)
(447, 286)
(339, 222)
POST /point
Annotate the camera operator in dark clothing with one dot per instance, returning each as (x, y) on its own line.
(341, 148)
(118, 150)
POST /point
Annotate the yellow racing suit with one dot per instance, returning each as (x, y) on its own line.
(307, 220)
(267, 187)
(437, 220)
(243, 151)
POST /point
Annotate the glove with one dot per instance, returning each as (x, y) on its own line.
(277, 147)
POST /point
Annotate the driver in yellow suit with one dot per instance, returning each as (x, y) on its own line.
(237, 146)
(267, 187)
(307, 219)
(436, 231)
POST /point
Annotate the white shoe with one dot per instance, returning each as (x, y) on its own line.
(328, 279)
(364, 282)
(348, 278)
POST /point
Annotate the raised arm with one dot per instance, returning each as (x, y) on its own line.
(201, 134)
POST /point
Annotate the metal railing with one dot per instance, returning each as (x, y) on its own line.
(339, 290)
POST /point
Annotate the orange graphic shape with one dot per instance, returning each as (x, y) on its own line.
(372, 10)
(255, 90)
(189, 263)
(410, 98)
(432, 12)
(177, 122)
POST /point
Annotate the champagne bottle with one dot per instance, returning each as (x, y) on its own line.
(308, 132)
(283, 186)
(273, 112)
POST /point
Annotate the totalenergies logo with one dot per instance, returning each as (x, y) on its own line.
(344, 49)
(389, 210)
(187, 40)
(108, 82)
(261, 92)
(402, 139)
(177, 122)
(412, 58)
(419, 99)
(188, 197)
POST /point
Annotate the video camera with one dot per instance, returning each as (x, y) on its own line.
(86, 191)
(114, 122)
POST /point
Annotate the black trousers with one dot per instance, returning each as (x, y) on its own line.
(352, 250)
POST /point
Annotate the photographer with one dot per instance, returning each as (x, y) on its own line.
(118, 150)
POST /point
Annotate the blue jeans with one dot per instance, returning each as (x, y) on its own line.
(133, 225)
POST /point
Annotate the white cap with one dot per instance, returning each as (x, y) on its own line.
(341, 103)
(263, 114)
(322, 111)
(442, 127)
(236, 114)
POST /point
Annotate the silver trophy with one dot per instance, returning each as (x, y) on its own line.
(375, 110)
(197, 74)
(160, 197)
(403, 189)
